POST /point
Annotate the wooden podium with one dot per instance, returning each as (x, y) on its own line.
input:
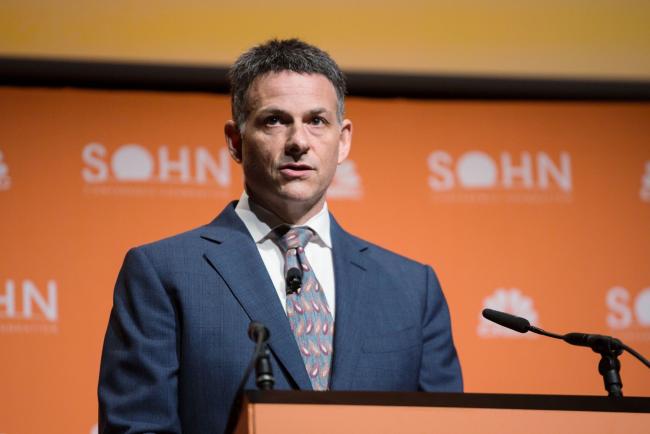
(288, 412)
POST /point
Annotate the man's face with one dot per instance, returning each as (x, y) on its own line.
(292, 141)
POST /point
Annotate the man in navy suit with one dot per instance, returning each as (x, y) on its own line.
(176, 346)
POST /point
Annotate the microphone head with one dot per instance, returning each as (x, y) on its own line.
(512, 322)
(257, 331)
(293, 280)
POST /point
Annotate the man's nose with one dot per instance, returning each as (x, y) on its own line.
(297, 142)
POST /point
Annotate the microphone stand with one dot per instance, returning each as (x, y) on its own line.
(263, 373)
(609, 349)
(609, 367)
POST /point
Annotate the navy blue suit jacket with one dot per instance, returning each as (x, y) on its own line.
(176, 344)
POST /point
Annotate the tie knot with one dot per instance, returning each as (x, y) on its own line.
(292, 238)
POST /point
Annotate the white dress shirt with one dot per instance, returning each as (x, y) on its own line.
(261, 222)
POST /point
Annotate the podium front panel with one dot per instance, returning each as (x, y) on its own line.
(315, 419)
(459, 414)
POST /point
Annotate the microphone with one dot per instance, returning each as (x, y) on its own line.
(506, 320)
(293, 280)
(522, 325)
(258, 333)
(608, 347)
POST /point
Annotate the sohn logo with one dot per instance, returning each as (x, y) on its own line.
(514, 177)
(5, 179)
(628, 313)
(511, 301)
(26, 308)
(133, 169)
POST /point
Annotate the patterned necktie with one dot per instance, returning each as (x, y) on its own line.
(307, 309)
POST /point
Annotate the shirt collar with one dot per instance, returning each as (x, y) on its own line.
(260, 222)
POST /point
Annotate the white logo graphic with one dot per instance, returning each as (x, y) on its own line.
(476, 170)
(133, 163)
(626, 311)
(511, 301)
(645, 183)
(522, 177)
(186, 171)
(346, 183)
(5, 179)
(26, 308)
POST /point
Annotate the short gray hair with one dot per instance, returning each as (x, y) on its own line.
(276, 56)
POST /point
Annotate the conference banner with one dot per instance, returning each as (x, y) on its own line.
(540, 209)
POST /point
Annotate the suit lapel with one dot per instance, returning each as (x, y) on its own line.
(350, 276)
(232, 253)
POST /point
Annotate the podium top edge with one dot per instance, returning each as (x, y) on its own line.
(462, 400)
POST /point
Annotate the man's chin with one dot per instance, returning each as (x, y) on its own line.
(306, 196)
(291, 205)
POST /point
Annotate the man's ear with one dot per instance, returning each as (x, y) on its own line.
(345, 140)
(234, 140)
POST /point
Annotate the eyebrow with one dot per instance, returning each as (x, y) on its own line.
(272, 110)
(277, 111)
(318, 111)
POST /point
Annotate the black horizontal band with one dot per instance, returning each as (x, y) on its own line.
(19, 71)
(469, 400)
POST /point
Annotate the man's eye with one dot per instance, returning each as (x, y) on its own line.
(319, 121)
(272, 120)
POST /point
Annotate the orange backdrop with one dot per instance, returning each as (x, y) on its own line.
(537, 208)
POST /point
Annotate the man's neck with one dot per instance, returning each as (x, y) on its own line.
(293, 213)
(259, 221)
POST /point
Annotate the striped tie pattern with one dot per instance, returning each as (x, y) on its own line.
(307, 309)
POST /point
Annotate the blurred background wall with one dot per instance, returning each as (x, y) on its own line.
(538, 205)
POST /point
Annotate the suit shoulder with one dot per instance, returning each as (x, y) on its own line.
(385, 256)
(411, 279)
(177, 245)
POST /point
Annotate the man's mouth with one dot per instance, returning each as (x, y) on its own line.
(295, 170)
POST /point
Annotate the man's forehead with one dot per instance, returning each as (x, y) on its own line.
(288, 85)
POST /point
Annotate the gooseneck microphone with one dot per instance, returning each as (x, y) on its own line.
(263, 372)
(608, 347)
(264, 380)
(259, 334)
(293, 280)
